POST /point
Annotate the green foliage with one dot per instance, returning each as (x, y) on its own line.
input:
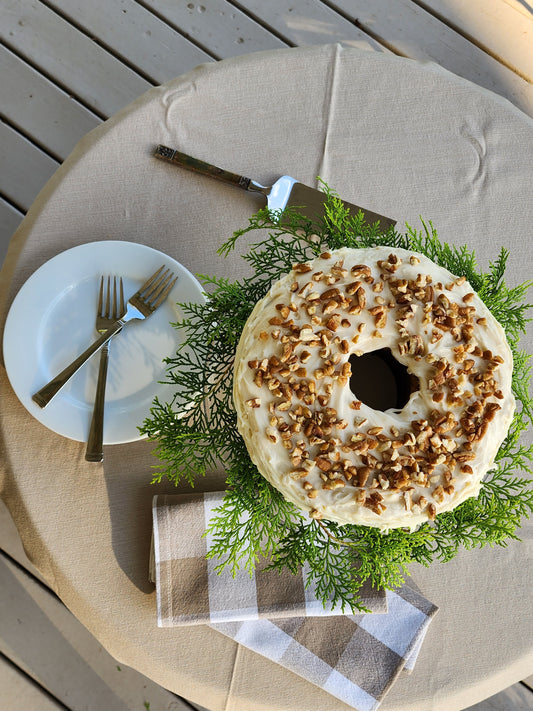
(195, 430)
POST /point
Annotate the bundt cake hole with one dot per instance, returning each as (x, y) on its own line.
(380, 381)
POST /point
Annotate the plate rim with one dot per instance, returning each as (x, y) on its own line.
(11, 329)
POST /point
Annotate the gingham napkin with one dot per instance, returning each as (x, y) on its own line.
(356, 658)
(190, 591)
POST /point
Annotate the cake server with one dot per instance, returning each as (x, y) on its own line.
(285, 192)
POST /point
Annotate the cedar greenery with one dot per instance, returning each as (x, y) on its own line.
(195, 431)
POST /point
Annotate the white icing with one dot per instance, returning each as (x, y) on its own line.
(261, 339)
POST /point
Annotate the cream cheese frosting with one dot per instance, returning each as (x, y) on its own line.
(328, 452)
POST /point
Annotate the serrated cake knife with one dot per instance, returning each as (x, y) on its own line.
(285, 192)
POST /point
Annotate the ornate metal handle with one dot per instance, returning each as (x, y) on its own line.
(199, 166)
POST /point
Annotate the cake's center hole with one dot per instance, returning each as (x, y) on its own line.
(380, 381)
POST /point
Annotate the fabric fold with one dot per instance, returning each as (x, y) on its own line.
(356, 658)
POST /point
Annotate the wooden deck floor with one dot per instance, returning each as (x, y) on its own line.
(66, 66)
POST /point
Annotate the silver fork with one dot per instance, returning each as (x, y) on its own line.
(108, 311)
(141, 305)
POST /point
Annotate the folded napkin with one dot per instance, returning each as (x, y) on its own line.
(356, 658)
(190, 591)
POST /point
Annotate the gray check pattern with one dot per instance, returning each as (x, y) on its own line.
(356, 658)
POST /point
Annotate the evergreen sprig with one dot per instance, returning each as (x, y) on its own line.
(195, 430)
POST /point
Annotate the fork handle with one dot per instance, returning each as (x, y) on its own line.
(43, 396)
(95, 441)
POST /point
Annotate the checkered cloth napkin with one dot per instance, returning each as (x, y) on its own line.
(356, 658)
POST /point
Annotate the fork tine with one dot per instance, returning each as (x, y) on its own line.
(165, 293)
(158, 286)
(112, 313)
(149, 282)
(108, 299)
(101, 296)
(122, 306)
(155, 287)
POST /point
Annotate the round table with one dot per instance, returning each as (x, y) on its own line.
(399, 137)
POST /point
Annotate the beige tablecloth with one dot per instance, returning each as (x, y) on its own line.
(402, 138)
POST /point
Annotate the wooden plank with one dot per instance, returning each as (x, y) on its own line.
(218, 26)
(491, 25)
(25, 168)
(308, 22)
(411, 31)
(20, 692)
(69, 57)
(11, 544)
(10, 219)
(515, 698)
(135, 35)
(40, 109)
(43, 639)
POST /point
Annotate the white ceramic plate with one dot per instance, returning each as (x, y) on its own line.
(52, 320)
